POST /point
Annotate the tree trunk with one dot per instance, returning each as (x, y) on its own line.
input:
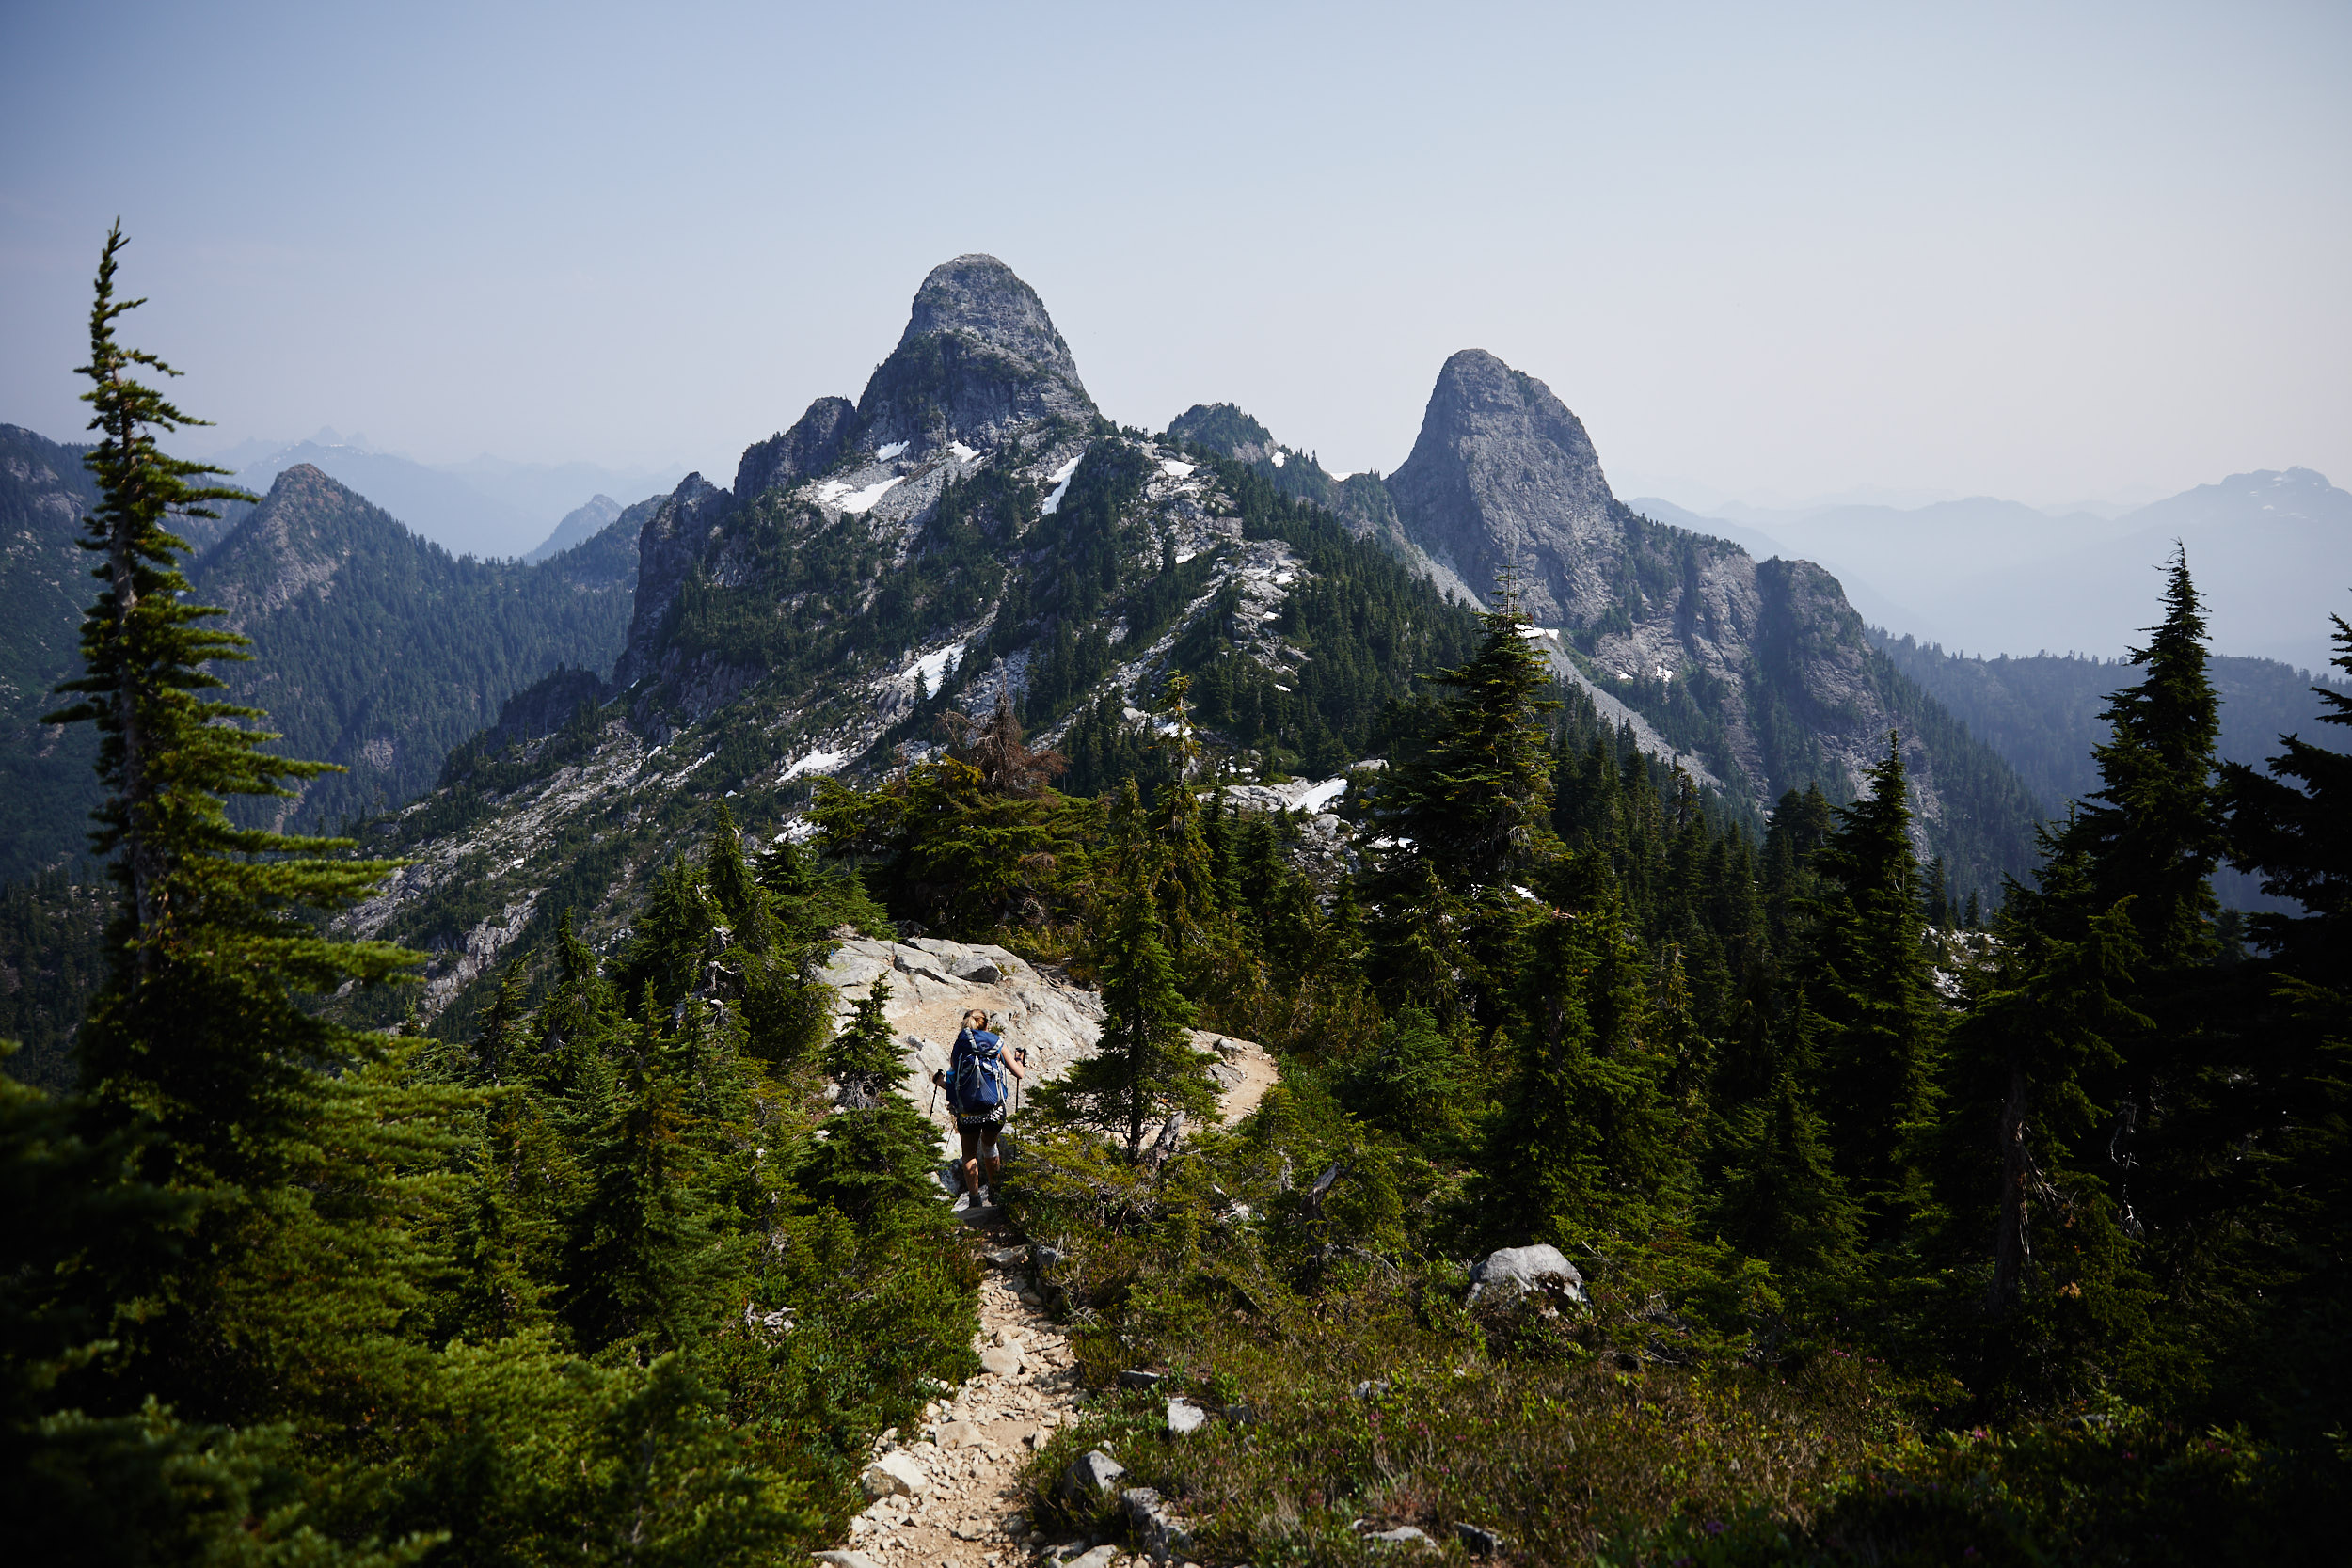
(141, 858)
(2009, 1233)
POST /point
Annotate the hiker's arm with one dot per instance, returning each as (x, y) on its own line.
(1014, 1062)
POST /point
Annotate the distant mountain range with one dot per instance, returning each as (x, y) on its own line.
(489, 508)
(2270, 551)
(973, 526)
(374, 648)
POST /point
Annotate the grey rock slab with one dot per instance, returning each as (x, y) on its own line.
(1508, 1271)
(1093, 1475)
(1185, 1417)
(1099, 1557)
(1004, 1360)
(895, 1474)
(1137, 1378)
(1477, 1540)
(1404, 1535)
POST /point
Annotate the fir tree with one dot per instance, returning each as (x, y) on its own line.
(2190, 1087)
(740, 900)
(673, 940)
(1584, 1145)
(863, 1058)
(2294, 827)
(1476, 803)
(2153, 831)
(646, 1254)
(1869, 978)
(1145, 1067)
(289, 1131)
(878, 1151)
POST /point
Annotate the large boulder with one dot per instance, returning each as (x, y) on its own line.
(1509, 1272)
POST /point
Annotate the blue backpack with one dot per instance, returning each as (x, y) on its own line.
(979, 1078)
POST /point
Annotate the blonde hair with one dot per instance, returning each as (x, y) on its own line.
(980, 1013)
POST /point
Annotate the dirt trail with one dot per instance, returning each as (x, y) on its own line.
(969, 1448)
(972, 1444)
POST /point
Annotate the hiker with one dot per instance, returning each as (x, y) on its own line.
(980, 1095)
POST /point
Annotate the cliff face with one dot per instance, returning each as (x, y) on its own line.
(1503, 475)
(1760, 670)
(980, 359)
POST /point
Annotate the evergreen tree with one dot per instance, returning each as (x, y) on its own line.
(298, 1139)
(1776, 1193)
(2192, 1087)
(741, 901)
(1585, 1144)
(1868, 978)
(1465, 820)
(863, 1058)
(1145, 1067)
(1476, 803)
(647, 1256)
(671, 942)
(2294, 827)
(2153, 831)
(878, 1153)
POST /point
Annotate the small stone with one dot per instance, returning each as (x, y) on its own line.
(1372, 1389)
(1044, 1257)
(1009, 1258)
(1004, 1360)
(1185, 1417)
(846, 1560)
(959, 1434)
(1403, 1535)
(1100, 1556)
(1138, 1379)
(1477, 1540)
(1093, 1475)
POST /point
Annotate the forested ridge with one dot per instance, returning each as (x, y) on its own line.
(379, 650)
(1890, 1225)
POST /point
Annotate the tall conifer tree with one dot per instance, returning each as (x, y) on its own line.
(286, 1127)
(1869, 979)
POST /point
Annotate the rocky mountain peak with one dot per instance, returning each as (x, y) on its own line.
(978, 297)
(1503, 474)
(979, 361)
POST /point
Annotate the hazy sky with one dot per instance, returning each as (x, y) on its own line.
(2051, 252)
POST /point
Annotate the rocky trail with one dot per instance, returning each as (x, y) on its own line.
(944, 1495)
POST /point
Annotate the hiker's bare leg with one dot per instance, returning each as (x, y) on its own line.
(969, 1169)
